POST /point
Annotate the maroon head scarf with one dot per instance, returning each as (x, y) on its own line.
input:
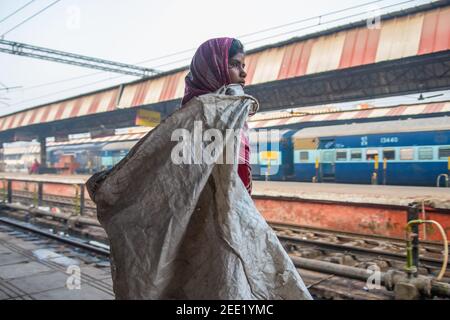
(209, 68)
(209, 72)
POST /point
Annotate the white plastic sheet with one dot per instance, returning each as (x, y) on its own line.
(190, 231)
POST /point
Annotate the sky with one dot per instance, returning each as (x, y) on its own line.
(134, 31)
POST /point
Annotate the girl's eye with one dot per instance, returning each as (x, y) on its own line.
(236, 65)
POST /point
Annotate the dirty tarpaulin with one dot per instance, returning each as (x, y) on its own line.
(190, 231)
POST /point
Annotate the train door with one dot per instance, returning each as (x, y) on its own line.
(327, 160)
(287, 160)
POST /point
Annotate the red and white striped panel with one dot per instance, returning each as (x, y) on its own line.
(118, 137)
(153, 90)
(400, 37)
(95, 103)
(385, 112)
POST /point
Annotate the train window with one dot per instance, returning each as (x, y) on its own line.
(341, 155)
(407, 154)
(425, 153)
(371, 153)
(444, 153)
(389, 154)
(304, 156)
(12, 157)
(356, 155)
(328, 156)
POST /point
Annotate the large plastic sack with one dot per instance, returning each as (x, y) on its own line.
(190, 231)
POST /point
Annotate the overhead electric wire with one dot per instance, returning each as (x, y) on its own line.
(324, 23)
(184, 51)
(192, 49)
(81, 86)
(22, 7)
(273, 28)
(9, 88)
(69, 89)
(77, 87)
(64, 80)
(308, 19)
(30, 17)
(301, 29)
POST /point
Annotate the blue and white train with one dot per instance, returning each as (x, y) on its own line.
(400, 152)
(396, 152)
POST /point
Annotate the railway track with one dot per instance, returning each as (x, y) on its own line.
(339, 248)
(294, 236)
(333, 246)
(55, 252)
(357, 250)
(321, 285)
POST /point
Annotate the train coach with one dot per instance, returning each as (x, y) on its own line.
(271, 154)
(413, 152)
(91, 157)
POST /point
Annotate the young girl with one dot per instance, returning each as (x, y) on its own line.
(218, 62)
(191, 231)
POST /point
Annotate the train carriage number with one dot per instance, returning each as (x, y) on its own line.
(364, 141)
(389, 140)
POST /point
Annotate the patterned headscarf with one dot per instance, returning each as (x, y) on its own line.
(208, 73)
(209, 68)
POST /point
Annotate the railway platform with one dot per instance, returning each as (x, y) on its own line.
(334, 233)
(354, 193)
(38, 268)
(349, 193)
(363, 209)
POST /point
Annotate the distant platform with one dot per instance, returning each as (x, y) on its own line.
(75, 179)
(354, 193)
(363, 209)
(346, 193)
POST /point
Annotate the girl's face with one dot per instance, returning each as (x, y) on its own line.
(236, 70)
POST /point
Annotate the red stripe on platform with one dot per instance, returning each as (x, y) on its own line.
(396, 111)
(362, 114)
(433, 107)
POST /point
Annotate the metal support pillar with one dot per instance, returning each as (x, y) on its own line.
(81, 199)
(9, 186)
(43, 160)
(413, 214)
(40, 191)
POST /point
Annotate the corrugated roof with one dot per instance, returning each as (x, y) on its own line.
(117, 137)
(284, 119)
(403, 36)
(397, 126)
